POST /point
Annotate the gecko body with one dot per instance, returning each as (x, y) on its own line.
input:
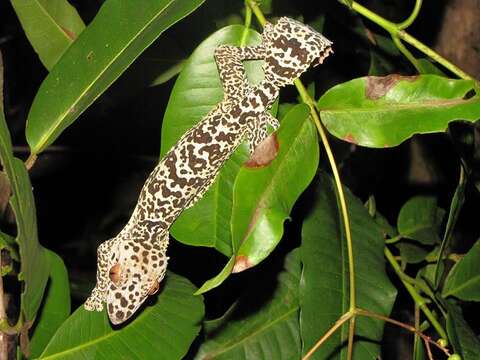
(132, 264)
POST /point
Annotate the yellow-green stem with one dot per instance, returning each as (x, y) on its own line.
(248, 21)
(417, 298)
(338, 184)
(395, 30)
(343, 319)
(409, 21)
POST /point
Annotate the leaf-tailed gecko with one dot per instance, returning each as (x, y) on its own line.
(132, 264)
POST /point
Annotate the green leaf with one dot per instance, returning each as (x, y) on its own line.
(265, 195)
(197, 90)
(56, 305)
(34, 266)
(427, 67)
(266, 331)
(463, 281)
(420, 219)
(51, 27)
(454, 213)
(412, 252)
(463, 339)
(118, 34)
(165, 328)
(324, 287)
(385, 111)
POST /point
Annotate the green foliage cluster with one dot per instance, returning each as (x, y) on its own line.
(243, 215)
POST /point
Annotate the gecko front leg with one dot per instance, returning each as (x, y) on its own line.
(105, 260)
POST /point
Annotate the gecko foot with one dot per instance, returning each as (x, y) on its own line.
(94, 301)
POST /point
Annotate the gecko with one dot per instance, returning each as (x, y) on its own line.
(131, 265)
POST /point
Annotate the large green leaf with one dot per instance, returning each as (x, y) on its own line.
(463, 281)
(384, 111)
(463, 339)
(265, 195)
(56, 305)
(34, 267)
(266, 331)
(163, 330)
(117, 35)
(324, 289)
(419, 219)
(197, 90)
(51, 26)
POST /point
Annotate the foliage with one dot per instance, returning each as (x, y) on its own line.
(320, 259)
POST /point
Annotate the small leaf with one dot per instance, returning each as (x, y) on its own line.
(385, 111)
(165, 328)
(264, 195)
(197, 90)
(51, 27)
(34, 266)
(463, 339)
(56, 305)
(463, 281)
(419, 220)
(265, 329)
(324, 288)
(412, 252)
(118, 34)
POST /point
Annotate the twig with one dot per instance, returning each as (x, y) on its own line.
(343, 319)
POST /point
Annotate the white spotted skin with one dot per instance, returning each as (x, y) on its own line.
(134, 262)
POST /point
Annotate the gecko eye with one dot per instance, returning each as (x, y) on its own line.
(115, 274)
(153, 290)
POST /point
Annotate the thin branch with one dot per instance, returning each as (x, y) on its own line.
(342, 320)
(409, 21)
(417, 298)
(362, 312)
(396, 31)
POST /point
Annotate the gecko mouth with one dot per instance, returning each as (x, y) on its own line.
(154, 289)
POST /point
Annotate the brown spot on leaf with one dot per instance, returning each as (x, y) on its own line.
(69, 33)
(241, 263)
(349, 138)
(378, 86)
(265, 153)
(90, 56)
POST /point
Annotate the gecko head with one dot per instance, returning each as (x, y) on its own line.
(292, 47)
(135, 274)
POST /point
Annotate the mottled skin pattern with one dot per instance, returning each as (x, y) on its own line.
(132, 264)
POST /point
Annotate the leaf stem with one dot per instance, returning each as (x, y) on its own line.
(406, 52)
(409, 21)
(342, 320)
(396, 30)
(257, 11)
(417, 298)
(248, 21)
(362, 312)
(338, 184)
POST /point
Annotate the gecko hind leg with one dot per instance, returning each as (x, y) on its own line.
(258, 130)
